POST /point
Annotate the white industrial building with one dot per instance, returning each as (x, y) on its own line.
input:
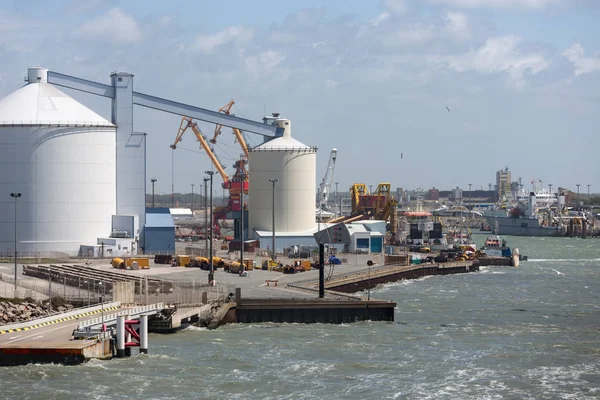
(60, 156)
(71, 170)
(362, 236)
(282, 184)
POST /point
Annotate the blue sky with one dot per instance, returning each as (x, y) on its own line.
(370, 78)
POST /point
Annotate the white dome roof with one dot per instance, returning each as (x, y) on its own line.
(42, 104)
(281, 143)
(285, 142)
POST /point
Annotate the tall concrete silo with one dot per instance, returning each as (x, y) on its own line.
(293, 164)
(61, 157)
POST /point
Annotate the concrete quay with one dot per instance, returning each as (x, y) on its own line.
(261, 296)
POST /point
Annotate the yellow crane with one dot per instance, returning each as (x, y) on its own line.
(186, 122)
(226, 109)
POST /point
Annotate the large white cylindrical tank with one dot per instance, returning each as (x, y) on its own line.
(293, 165)
(61, 157)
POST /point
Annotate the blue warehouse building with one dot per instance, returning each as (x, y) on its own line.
(159, 232)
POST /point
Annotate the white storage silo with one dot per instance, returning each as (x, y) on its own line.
(61, 157)
(293, 164)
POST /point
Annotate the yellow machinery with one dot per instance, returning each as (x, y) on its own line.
(380, 205)
(142, 263)
(182, 260)
(269, 264)
(198, 262)
(118, 263)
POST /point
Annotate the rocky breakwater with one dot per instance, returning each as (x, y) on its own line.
(11, 313)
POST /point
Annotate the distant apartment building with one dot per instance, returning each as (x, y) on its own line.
(503, 183)
(457, 195)
(433, 194)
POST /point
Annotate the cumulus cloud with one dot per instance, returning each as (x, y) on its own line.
(505, 4)
(458, 24)
(500, 54)
(397, 7)
(115, 26)
(582, 64)
(233, 34)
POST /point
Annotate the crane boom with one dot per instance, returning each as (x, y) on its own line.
(186, 123)
(325, 187)
(226, 109)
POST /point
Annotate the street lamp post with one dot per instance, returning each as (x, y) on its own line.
(588, 185)
(153, 180)
(577, 192)
(242, 179)
(15, 195)
(206, 214)
(273, 181)
(192, 206)
(470, 198)
(211, 274)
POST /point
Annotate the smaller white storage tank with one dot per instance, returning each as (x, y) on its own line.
(61, 157)
(293, 165)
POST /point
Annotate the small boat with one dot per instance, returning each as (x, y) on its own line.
(496, 247)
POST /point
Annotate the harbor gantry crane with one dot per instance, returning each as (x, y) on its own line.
(226, 109)
(235, 184)
(325, 187)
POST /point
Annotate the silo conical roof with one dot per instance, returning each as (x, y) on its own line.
(40, 103)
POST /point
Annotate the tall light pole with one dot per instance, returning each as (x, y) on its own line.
(15, 196)
(273, 181)
(211, 274)
(206, 214)
(577, 192)
(243, 180)
(192, 206)
(588, 185)
(336, 193)
(153, 180)
(470, 199)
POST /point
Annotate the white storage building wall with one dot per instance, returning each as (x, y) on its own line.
(61, 157)
(293, 164)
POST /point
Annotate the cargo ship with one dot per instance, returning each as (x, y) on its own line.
(539, 216)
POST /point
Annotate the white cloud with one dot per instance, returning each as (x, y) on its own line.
(506, 4)
(264, 62)
(415, 35)
(458, 24)
(582, 64)
(115, 27)
(500, 54)
(208, 43)
(397, 7)
(385, 16)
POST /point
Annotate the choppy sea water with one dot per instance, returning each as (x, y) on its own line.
(502, 333)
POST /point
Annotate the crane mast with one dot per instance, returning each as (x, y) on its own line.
(325, 187)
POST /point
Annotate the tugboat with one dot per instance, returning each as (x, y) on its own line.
(496, 252)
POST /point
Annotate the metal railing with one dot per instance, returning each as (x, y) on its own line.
(109, 318)
(73, 313)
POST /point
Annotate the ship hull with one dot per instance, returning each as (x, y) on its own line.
(522, 227)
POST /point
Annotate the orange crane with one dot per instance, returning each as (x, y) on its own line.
(235, 185)
(226, 109)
